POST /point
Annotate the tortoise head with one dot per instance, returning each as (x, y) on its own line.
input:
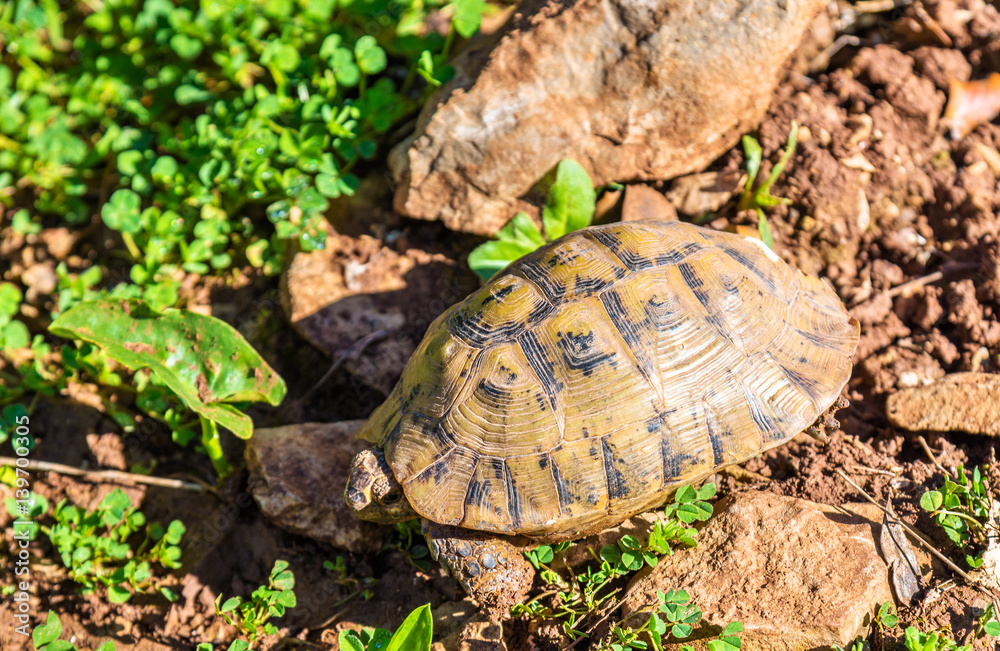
(373, 492)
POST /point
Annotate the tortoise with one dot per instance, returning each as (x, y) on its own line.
(589, 380)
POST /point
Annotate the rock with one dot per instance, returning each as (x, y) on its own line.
(696, 195)
(630, 89)
(450, 617)
(476, 634)
(963, 402)
(799, 575)
(297, 476)
(643, 202)
(357, 286)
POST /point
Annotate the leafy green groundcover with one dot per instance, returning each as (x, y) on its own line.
(184, 126)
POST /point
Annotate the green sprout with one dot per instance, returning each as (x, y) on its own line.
(95, 546)
(569, 206)
(251, 617)
(45, 637)
(758, 198)
(576, 596)
(962, 509)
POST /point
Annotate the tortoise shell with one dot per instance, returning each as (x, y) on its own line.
(590, 379)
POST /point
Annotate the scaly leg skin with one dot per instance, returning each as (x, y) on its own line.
(826, 424)
(491, 568)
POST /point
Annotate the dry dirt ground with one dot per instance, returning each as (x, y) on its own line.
(880, 197)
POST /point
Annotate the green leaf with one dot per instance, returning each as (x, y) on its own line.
(121, 213)
(765, 189)
(188, 94)
(707, 491)
(519, 237)
(186, 47)
(370, 57)
(732, 629)
(107, 646)
(992, 628)
(203, 360)
(681, 631)
(10, 299)
(468, 16)
(754, 154)
(15, 336)
(48, 631)
(61, 645)
(931, 500)
(570, 203)
(175, 530)
(686, 493)
(349, 641)
(284, 55)
(414, 634)
(764, 229)
(118, 594)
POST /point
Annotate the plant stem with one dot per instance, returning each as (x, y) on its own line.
(131, 245)
(213, 446)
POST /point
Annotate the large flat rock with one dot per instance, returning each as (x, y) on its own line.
(799, 575)
(630, 89)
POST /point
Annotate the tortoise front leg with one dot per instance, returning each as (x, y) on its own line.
(491, 568)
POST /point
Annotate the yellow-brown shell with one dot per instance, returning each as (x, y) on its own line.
(589, 380)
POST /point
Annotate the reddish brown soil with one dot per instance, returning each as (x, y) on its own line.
(880, 197)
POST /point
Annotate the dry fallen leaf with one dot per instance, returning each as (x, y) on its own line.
(971, 103)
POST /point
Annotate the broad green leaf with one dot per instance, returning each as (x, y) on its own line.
(569, 205)
(203, 360)
(48, 631)
(107, 646)
(414, 634)
(519, 237)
